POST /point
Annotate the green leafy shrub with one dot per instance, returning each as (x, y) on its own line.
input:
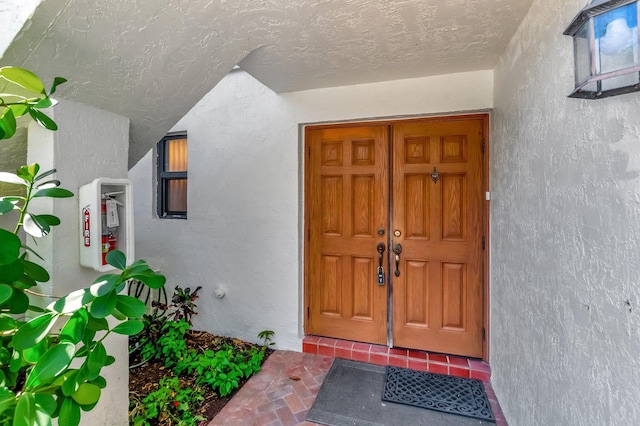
(37, 380)
(23, 93)
(169, 404)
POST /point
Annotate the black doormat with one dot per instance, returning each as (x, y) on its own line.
(449, 394)
(351, 394)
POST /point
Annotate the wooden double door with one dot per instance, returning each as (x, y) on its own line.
(413, 189)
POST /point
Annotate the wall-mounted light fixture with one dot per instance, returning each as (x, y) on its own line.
(605, 48)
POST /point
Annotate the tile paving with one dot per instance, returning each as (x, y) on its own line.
(284, 390)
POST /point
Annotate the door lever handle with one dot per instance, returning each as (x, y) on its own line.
(381, 248)
(397, 249)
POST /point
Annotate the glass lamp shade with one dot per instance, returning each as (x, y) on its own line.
(605, 45)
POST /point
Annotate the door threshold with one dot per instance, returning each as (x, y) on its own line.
(453, 365)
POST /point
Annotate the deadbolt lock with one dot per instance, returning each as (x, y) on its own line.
(397, 233)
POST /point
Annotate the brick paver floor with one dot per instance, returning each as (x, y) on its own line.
(280, 394)
(283, 391)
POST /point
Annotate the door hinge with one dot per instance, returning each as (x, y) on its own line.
(309, 152)
(484, 144)
(484, 334)
(483, 241)
(309, 313)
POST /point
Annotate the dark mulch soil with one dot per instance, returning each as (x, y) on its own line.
(144, 379)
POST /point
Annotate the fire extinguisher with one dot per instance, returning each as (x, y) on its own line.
(109, 231)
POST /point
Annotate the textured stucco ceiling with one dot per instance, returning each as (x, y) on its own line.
(152, 60)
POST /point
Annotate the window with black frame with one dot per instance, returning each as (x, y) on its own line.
(172, 176)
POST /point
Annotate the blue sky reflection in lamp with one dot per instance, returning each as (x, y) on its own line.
(605, 43)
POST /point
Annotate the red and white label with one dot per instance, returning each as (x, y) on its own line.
(86, 226)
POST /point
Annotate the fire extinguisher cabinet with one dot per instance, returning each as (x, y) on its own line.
(106, 221)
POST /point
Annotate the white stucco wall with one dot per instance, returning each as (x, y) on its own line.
(90, 143)
(13, 14)
(245, 192)
(565, 286)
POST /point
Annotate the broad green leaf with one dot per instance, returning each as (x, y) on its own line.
(110, 360)
(12, 178)
(73, 330)
(23, 78)
(72, 382)
(56, 82)
(19, 109)
(69, 413)
(47, 402)
(118, 315)
(72, 301)
(87, 339)
(30, 412)
(7, 325)
(6, 206)
(37, 309)
(16, 362)
(11, 272)
(35, 271)
(24, 173)
(33, 169)
(18, 303)
(87, 408)
(7, 398)
(97, 324)
(52, 363)
(129, 328)
(96, 359)
(150, 278)
(136, 267)
(8, 122)
(34, 227)
(104, 284)
(5, 293)
(49, 219)
(43, 119)
(88, 393)
(100, 381)
(53, 192)
(132, 307)
(25, 414)
(103, 306)
(34, 331)
(43, 103)
(34, 353)
(117, 259)
(9, 247)
(24, 282)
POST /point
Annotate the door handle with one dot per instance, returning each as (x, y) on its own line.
(381, 248)
(397, 249)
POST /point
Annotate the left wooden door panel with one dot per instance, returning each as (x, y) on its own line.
(347, 192)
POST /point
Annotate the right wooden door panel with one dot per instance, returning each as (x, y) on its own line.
(437, 299)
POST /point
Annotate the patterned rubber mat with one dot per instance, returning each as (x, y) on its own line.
(449, 394)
